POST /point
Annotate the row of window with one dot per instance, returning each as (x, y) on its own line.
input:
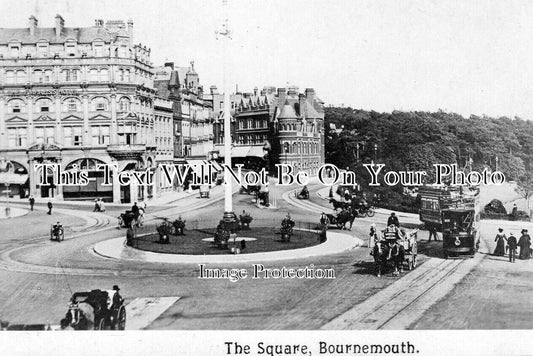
(301, 147)
(294, 127)
(251, 139)
(252, 124)
(66, 75)
(71, 50)
(72, 135)
(70, 105)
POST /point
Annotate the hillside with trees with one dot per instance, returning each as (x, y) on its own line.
(417, 140)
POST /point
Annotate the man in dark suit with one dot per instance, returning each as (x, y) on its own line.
(49, 207)
(393, 220)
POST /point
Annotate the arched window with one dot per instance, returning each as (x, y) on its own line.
(47, 77)
(21, 76)
(127, 76)
(99, 104)
(120, 75)
(72, 105)
(124, 105)
(10, 77)
(93, 75)
(38, 76)
(44, 105)
(104, 75)
(16, 106)
(122, 52)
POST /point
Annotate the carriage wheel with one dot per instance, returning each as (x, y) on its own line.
(120, 323)
(370, 212)
(100, 325)
(61, 236)
(340, 226)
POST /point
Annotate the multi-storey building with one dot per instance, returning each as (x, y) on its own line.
(273, 127)
(78, 97)
(193, 116)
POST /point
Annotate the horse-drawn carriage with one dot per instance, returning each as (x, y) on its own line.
(57, 232)
(358, 206)
(394, 247)
(127, 219)
(96, 310)
(341, 219)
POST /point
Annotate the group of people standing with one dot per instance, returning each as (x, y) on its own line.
(99, 205)
(511, 244)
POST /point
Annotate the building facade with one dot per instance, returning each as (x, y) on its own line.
(273, 126)
(193, 116)
(78, 97)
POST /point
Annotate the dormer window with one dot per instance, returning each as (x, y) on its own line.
(70, 48)
(14, 51)
(42, 49)
(98, 49)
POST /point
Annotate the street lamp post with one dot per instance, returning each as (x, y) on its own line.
(375, 152)
(229, 216)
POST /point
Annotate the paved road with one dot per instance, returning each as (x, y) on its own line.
(37, 277)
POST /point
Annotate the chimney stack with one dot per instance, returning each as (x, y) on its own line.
(130, 30)
(281, 96)
(60, 24)
(170, 65)
(213, 89)
(255, 91)
(33, 25)
(310, 94)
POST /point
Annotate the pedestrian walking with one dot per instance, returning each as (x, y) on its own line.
(102, 206)
(500, 243)
(32, 202)
(511, 246)
(50, 206)
(433, 232)
(525, 245)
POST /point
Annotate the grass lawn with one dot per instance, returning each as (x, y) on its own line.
(267, 239)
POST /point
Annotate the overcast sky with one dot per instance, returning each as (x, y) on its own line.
(470, 57)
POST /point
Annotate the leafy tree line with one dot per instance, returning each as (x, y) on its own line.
(417, 140)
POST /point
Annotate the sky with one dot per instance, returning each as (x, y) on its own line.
(469, 57)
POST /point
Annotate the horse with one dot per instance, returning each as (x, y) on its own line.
(385, 252)
(342, 218)
(338, 204)
(80, 317)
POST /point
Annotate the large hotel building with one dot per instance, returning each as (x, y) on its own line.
(79, 97)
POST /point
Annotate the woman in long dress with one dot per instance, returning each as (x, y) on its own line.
(525, 245)
(500, 243)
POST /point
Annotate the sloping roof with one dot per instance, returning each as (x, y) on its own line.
(287, 111)
(81, 35)
(310, 111)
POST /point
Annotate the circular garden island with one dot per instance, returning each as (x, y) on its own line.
(207, 237)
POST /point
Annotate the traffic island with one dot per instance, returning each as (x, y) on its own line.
(201, 242)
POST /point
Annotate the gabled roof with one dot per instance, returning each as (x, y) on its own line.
(287, 111)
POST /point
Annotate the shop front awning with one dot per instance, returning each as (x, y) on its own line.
(13, 178)
(237, 151)
(126, 165)
(256, 151)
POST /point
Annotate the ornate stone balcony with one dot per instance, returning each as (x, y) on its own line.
(125, 151)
